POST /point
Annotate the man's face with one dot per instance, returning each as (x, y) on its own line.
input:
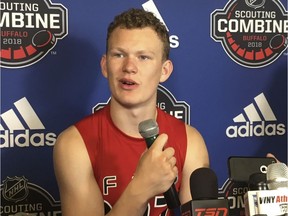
(134, 65)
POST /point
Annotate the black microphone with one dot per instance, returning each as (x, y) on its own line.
(257, 181)
(256, 184)
(149, 130)
(204, 192)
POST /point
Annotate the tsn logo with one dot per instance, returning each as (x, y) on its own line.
(211, 212)
(207, 212)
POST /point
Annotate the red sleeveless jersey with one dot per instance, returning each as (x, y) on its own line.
(114, 155)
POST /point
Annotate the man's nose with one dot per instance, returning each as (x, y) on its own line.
(129, 65)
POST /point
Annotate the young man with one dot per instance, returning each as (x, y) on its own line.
(102, 163)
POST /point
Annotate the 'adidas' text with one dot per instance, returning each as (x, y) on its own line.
(26, 138)
(25, 128)
(249, 130)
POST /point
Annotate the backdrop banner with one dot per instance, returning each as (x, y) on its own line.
(229, 81)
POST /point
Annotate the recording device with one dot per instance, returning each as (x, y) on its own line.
(272, 202)
(149, 130)
(204, 192)
(240, 168)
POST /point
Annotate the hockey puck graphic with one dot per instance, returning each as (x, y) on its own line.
(278, 42)
(43, 40)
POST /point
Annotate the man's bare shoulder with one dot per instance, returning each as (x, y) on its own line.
(69, 134)
(193, 133)
(71, 138)
(196, 147)
(67, 149)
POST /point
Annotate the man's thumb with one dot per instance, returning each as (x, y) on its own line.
(160, 142)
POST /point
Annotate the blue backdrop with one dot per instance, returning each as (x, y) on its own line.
(51, 78)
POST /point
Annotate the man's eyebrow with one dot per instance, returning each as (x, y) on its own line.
(146, 52)
(143, 51)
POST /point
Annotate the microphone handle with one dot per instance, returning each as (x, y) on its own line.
(171, 195)
(150, 140)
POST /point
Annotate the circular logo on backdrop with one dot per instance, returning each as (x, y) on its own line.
(252, 32)
(29, 30)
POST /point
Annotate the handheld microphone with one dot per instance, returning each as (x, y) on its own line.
(149, 130)
(204, 192)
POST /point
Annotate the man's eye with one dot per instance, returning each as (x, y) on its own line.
(143, 57)
(118, 55)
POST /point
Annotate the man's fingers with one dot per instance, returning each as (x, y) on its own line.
(272, 156)
(173, 161)
(167, 154)
(160, 142)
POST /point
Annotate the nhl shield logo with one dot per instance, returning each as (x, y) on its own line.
(15, 189)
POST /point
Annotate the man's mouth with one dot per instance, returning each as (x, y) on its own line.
(127, 82)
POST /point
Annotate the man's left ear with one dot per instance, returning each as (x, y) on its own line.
(167, 69)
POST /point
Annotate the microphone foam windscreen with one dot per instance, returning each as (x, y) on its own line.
(204, 184)
(277, 176)
(257, 181)
(148, 128)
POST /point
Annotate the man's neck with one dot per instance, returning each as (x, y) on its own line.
(127, 119)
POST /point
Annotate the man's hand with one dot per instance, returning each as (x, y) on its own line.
(272, 156)
(156, 170)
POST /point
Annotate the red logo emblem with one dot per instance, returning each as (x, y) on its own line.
(29, 30)
(252, 32)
